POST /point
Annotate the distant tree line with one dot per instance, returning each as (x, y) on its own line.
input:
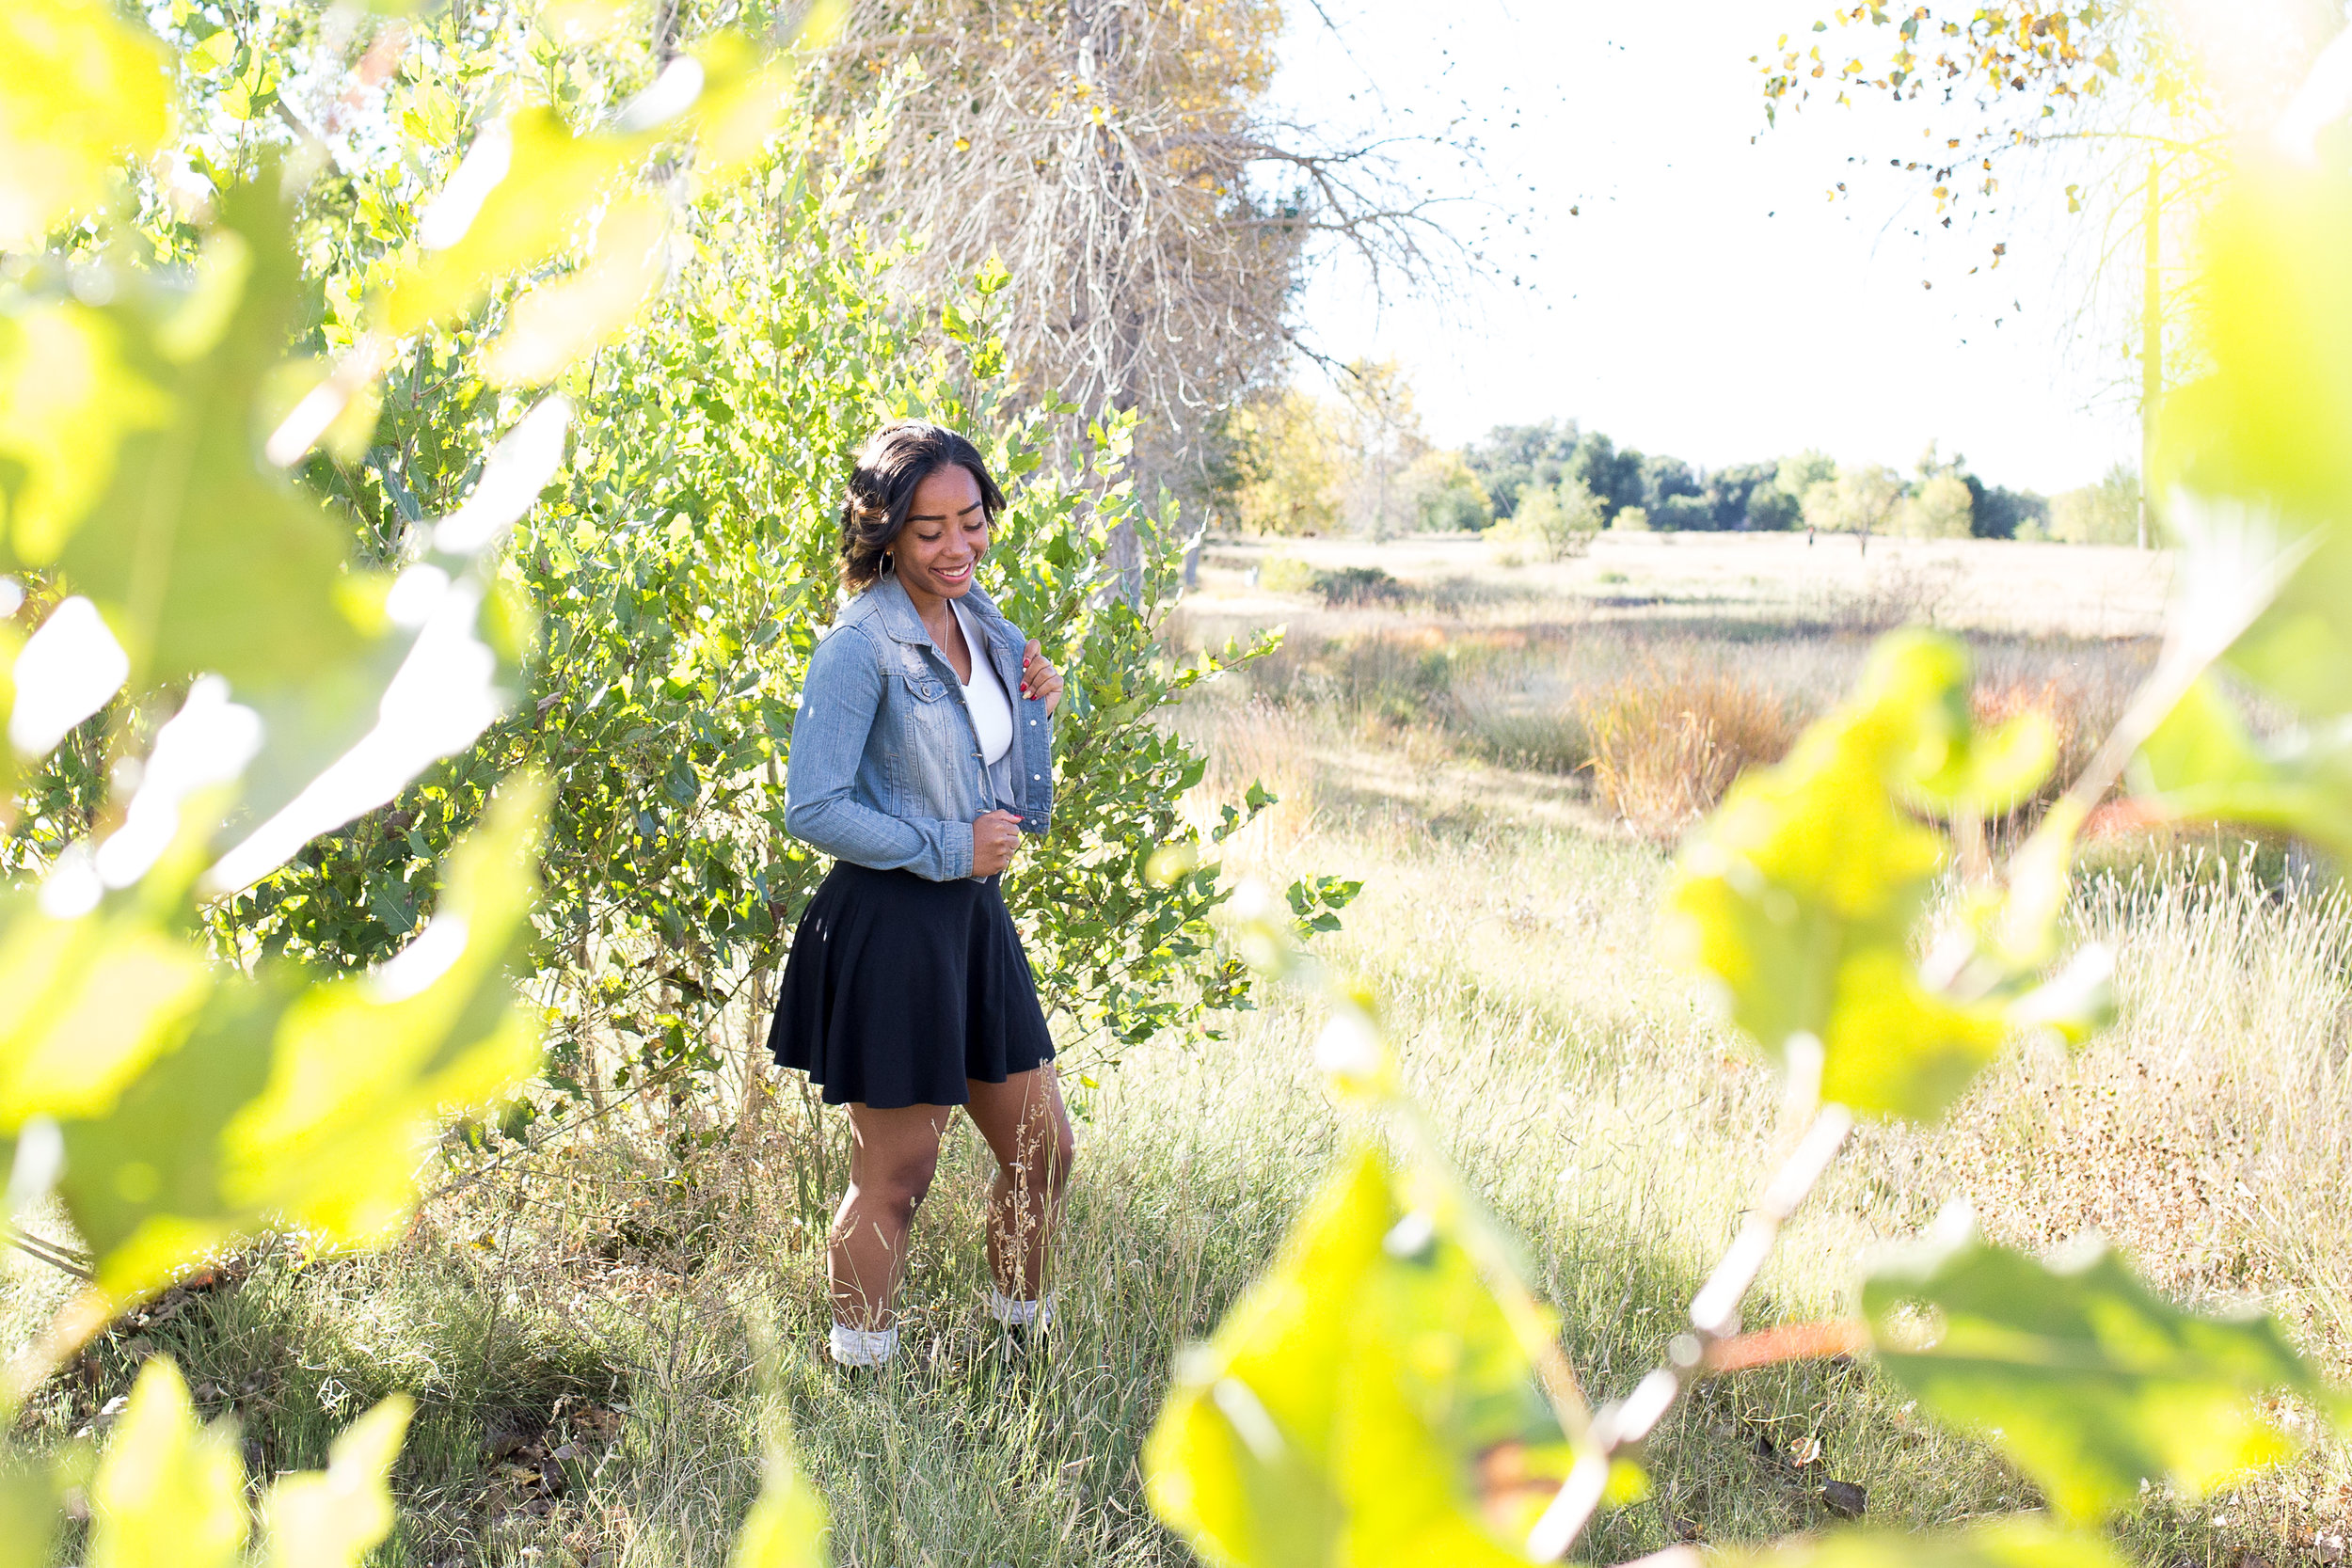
(1360, 463)
(1943, 500)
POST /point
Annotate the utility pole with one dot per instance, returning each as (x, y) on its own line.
(2150, 354)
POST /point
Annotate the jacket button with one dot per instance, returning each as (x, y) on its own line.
(1036, 775)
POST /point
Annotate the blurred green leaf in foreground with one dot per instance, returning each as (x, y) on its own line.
(79, 90)
(1801, 896)
(2093, 1381)
(171, 1494)
(308, 1103)
(1365, 1403)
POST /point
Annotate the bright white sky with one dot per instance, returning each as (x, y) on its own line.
(1707, 300)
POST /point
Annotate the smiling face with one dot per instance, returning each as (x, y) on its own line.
(945, 534)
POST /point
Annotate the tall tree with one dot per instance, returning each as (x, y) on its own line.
(1509, 457)
(1861, 500)
(1732, 495)
(1994, 84)
(2001, 513)
(1612, 475)
(1940, 508)
(1119, 159)
(2105, 513)
(1664, 478)
(1382, 440)
(1283, 470)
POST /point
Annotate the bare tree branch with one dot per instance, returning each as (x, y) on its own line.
(1117, 158)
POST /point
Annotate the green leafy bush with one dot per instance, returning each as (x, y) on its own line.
(674, 576)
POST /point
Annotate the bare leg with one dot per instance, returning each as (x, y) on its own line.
(1027, 1129)
(892, 1156)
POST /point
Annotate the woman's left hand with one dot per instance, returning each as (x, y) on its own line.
(1040, 679)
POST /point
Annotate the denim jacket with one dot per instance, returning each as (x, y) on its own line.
(885, 767)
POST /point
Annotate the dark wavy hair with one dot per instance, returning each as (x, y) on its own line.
(895, 459)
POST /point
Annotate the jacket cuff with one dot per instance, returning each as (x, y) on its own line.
(961, 849)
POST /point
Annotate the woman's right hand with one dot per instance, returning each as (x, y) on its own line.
(995, 837)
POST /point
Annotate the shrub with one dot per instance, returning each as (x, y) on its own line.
(1689, 514)
(2106, 513)
(1559, 519)
(1357, 585)
(1773, 510)
(2005, 513)
(1456, 511)
(1667, 742)
(1942, 508)
(1286, 574)
(2075, 716)
(1541, 739)
(1446, 496)
(1630, 519)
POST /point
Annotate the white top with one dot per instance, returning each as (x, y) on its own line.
(984, 694)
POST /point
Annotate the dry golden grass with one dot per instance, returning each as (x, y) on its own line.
(2076, 715)
(1668, 742)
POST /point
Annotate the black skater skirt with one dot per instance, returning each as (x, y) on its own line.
(897, 988)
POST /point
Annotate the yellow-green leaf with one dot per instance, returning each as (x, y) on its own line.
(91, 1001)
(2267, 426)
(1893, 1045)
(310, 1103)
(28, 1514)
(80, 89)
(193, 530)
(556, 323)
(1990, 771)
(363, 1065)
(211, 53)
(1365, 1401)
(332, 1518)
(2204, 763)
(11, 644)
(2082, 1374)
(742, 99)
(169, 1492)
(1799, 896)
(787, 1525)
(69, 398)
(347, 436)
(517, 199)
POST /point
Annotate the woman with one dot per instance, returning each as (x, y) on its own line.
(923, 751)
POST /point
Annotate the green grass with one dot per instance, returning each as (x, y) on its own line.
(592, 1295)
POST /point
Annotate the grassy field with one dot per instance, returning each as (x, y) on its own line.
(1469, 740)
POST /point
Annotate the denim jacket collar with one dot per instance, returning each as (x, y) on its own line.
(895, 612)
